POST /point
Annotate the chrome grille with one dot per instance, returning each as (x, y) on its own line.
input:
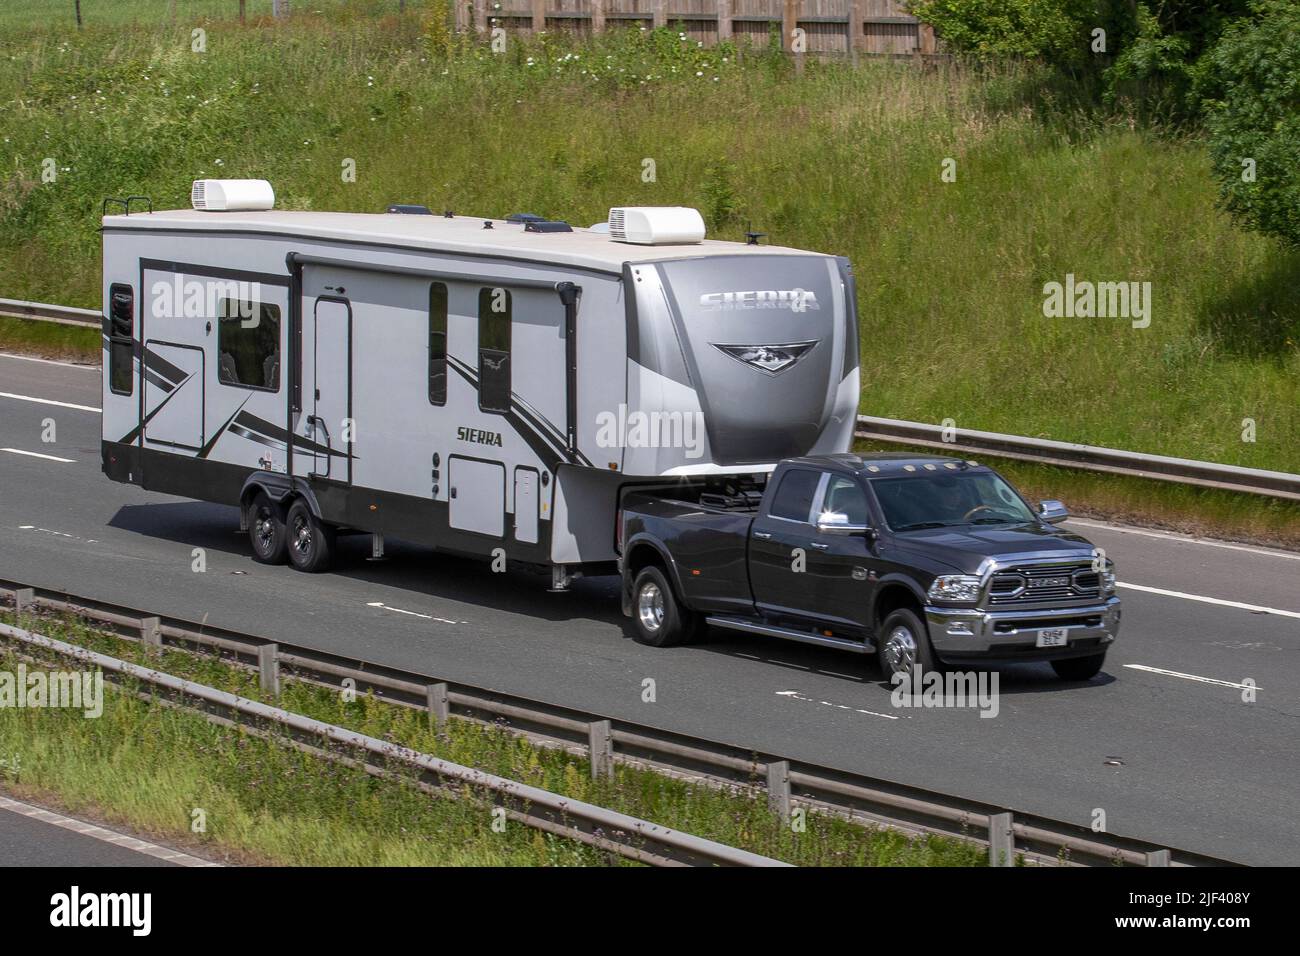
(1036, 584)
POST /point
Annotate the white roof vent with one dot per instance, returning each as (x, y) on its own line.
(232, 195)
(656, 225)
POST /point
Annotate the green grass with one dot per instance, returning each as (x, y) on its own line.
(51, 340)
(840, 160)
(149, 767)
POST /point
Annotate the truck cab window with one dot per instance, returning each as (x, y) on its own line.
(121, 336)
(494, 309)
(248, 344)
(844, 496)
(794, 496)
(438, 343)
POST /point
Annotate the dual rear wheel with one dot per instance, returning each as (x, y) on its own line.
(296, 536)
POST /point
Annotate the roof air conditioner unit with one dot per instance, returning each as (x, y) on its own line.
(232, 195)
(656, 225)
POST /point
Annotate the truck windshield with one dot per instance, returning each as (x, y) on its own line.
(945, 500)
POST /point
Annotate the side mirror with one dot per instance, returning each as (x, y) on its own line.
(835, 522)
(1053, 512)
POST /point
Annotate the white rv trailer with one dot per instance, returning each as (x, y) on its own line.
(481, 386)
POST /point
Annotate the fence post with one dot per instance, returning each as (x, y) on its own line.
(1002, 840)
(660, 14)
(435, 697)
(151, 633)
(724, 20)
(268, 669)
(480, 16)
(600, 739)
(597, 16)
(22, 598)
(778, 788)
(242, 11)
(857, 31)
(539, 16)
(1159, 858)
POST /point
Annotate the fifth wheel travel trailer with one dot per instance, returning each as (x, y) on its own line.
(487, 387)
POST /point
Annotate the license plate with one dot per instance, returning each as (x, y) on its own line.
(1053, 637)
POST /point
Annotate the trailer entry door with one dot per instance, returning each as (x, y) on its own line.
(173, 395)
(332, 426)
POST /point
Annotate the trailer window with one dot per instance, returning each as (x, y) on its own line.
(248, 344)
(121, 337)
(494, 308)
(794, 496)
(438, 343)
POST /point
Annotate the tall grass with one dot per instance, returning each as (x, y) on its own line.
(842, 160)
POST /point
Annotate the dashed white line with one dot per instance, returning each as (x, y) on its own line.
(428, 617)
(795, 695)
(1193, 677)
(102, 834)
(1209, 600)
(1187, 539)
(50, 401)
(36, 454)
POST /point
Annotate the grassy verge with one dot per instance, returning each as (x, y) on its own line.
(150, 767)
(51, 340)
(1208, 512)
(950, 274)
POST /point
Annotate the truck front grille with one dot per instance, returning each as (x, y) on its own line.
(1045, 584)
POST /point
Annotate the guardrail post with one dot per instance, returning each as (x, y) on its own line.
(435, 697)
(600, 739)
(151, 633)
(1002, 840)
(778, 788)
(1159, 858)
(23, 597)
(268, 669)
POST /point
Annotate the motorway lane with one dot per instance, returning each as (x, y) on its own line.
(1197, 767)
(26, 841)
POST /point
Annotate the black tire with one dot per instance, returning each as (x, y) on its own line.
(310, 542)
(1079, 668)
(658, 618)
(266, 532)
(903, 643)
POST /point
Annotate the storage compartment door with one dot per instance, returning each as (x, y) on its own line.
(173, 395)
(478, 496)
(526, 505)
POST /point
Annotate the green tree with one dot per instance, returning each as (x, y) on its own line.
(1056, 31)
(1248, 85)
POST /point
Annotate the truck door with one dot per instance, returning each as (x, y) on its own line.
(840, 579)
(778, 548)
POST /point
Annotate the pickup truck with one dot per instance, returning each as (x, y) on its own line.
(925, 561)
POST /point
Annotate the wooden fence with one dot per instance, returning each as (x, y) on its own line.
(828, 26)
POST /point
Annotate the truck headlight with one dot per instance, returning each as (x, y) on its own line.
(1108, 578)
(955, 587)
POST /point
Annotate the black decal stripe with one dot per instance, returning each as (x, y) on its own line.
(166, 369)
(242, 432)
(541, 448)
(207, 449)
(277, 433)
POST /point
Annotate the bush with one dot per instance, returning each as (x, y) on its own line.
(1250, 89)
(1051, 30)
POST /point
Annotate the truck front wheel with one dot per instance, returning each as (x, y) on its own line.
(658, 619)
(1079, 668)
(905, 644)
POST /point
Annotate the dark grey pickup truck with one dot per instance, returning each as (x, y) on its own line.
(925, 561)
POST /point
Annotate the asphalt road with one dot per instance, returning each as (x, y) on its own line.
(27, 841)
(1162, 741)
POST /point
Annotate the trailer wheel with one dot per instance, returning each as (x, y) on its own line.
(266, 531)
(658, 619)
(310, 541)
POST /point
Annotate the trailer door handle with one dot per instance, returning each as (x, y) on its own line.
(819, 545)
(763, 534)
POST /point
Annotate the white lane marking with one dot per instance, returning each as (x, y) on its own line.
(1209, 600)
(36, 454)
(795, 695)
(50, 401)
(1186, 539)
(101, 834)
(32, 358)
(58, 534)
(428, 617)
(1198, 679)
